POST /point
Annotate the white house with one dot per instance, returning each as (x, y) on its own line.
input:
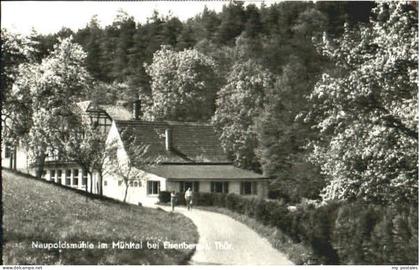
(67, 172)
(189, 155)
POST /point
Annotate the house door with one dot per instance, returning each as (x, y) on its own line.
(189, 184)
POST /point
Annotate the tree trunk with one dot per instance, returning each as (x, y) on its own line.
(126, 191)
(86, 186)
(100, 184)
(11, 158)
(40, 164)
(15, 157)
(91, 183)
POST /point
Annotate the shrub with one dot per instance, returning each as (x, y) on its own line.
(338, 232)
(281, 219)
(203, 199)
(164, 196)
(181, 198)
(317, 230)
(264, 212)
(219, 199)
(250, 207)
(373, 234)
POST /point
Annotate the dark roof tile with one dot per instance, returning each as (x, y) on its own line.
(191, 142)
(203, 172)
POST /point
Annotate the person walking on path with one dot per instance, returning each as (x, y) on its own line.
(173, 200)
(188, 198)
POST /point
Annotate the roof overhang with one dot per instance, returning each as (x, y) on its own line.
(203, 172)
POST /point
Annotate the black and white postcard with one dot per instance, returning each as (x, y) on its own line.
(209, 133)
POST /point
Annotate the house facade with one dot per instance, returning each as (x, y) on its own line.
(65, 172)
(189, 156)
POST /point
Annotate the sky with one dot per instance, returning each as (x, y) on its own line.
(50, 16)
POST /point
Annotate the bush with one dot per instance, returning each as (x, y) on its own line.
(164, 196)
(181, 198)
(338, 232)
(203, 199)
(316, 231)
(373, 234)
(219, 199)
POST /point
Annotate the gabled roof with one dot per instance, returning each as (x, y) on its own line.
(203, 172)
(191, 142)
(115, 112)
(84, 105)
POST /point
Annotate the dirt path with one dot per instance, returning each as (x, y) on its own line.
(224, 240)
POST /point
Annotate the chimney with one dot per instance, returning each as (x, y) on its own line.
(168, 139)
(136, 109)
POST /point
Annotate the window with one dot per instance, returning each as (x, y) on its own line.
(75, 177)
(7, 150)
(84, 178)
(136, 184)
(248, 188)
(44, 173)
(195, 187)
(59, 174)
(220, 187)
(131, 183)
(153, 187)
(100, 120)
(52, 175)
(68, 175)
(105, 183)
(120, 183)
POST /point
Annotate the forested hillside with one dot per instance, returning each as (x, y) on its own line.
(272, 35)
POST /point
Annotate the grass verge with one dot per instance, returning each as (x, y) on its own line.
(35, 210)
(295, 252)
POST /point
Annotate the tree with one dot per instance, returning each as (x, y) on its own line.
(86, 145)
(209, 21)
(232, 21)
(108, 93)
(282, 136)
(124, 27)
(239, 103)
(183, 85)
(100, 159)
(128, 160)
(16, 50)
(93, 49)
(253, 24)
(52, 86)
(366, 110)
(186, 38)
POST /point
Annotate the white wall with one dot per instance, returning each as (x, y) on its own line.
(5, 161)
(72, 169)
(172, 186)
(234, 186)
(22, 159)
(115, 186)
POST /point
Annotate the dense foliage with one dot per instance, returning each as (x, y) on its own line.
(366, 110)
(183, 85)
(318, 96)
(16, 50)
(239, 103)
(48, 91)
(321, 97)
